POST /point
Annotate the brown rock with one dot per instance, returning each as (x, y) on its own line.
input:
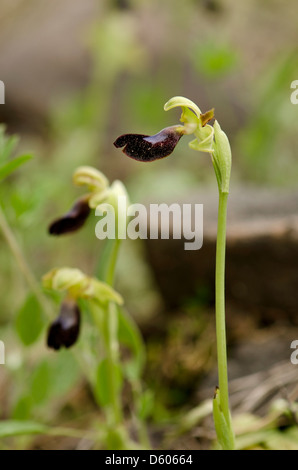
(262, 255)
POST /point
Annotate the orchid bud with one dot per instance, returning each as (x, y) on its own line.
(63, 279)
(146, 148)
(80, 286)
(73, 219)
(64, 331)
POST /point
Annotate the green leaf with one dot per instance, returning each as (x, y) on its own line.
(65, 373)
(7, 145)
(105, 259)
(214, 60)
(129, 335)
(22, 409)
(29, 321)
(117, 439)
(7, 168)
(146, 404)
(107, 372)
(223, 429)
(41, 383)
(16, 428)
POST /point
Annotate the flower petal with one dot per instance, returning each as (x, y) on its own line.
(72, 220)
(87, 175)
(180, 101)
(64, 331)
(145, 148)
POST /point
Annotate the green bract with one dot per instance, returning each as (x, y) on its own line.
(223, 428)
(222, 157)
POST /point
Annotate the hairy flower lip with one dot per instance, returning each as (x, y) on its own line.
(64, 331)
(73, 220)
(146, 148)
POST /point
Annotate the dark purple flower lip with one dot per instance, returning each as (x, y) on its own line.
(72, 220)
(64, 331)
(145, 148)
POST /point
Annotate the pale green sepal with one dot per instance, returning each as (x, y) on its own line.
(99, 198)
(100, 292)
(204, 141)
(62, 279)
(177, 101)
(110, 196)
(119, 199)
(118, 190)
(91, 177)
(190, 120)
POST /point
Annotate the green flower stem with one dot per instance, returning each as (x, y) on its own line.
(113, 344)
(112, 352)
(140, 422)
(111, 334)
(112, 264)
(107, 323)
(220, 308)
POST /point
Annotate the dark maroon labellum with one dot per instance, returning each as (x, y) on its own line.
(64, 331)
(72, 220)
(145, 148)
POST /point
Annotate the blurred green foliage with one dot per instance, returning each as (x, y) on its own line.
(29, 321)
(267, 142)
(214, 60)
